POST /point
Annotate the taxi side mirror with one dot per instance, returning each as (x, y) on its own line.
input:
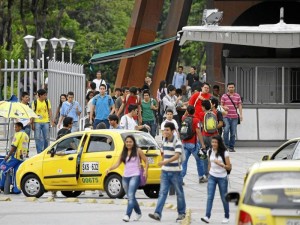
(52, 152)
(265, 158)
(233, 197)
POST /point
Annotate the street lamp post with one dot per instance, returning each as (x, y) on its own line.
(70, 43)
(63, 42)
(54, 41)
(29, 39)
(42, 43)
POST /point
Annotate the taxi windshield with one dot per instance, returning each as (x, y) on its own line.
(144, 140)
(274, 190)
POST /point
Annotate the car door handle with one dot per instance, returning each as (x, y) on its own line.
(71, 158)
(109, 156)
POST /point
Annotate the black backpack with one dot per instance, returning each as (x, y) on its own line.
(186, 131)
(223, 158)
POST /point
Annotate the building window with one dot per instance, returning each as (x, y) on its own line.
(265, 85)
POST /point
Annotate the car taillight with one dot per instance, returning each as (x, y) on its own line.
(244, 218)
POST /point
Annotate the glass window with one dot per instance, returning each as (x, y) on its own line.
(68, 143)
(100, 143)
(144, 140)
(286, 152)
(297, 152)
(274, 190)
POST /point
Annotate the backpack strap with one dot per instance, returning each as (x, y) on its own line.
(197, 99)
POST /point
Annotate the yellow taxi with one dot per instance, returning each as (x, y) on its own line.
(78, 161)
(271, 194)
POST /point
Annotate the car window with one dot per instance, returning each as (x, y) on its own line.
(274, 190)
(68, 143)
(286, 152)
(297, 151)
(144, 140)
(100, 143)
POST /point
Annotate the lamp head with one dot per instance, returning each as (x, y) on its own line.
(29, 39)
(54, 41)
(70, 43)
(63, 42)
(42, 43)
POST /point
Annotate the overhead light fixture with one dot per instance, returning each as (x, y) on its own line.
(212, 16)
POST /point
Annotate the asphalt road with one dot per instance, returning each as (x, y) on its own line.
(92, 209)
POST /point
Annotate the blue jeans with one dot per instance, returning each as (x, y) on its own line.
(230, 126)
(222, 182)
(189, 149)
(75, 127)
(5, 166)
(41, 136)
(130, 185)
(152, 125)
(96, 122)
(166, 180)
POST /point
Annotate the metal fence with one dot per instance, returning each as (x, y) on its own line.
(62, 78)
(16, 77)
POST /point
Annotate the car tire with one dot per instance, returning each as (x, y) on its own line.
(71, 194)
(114, 187)
(152, 191)
(32, 186)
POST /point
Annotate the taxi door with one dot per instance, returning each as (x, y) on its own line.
(59, 168)
(95, 159)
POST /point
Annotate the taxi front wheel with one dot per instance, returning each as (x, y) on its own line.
(152, 191)
(32, 186)
(71, 194)
(114, 187)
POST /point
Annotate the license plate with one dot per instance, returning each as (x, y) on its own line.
(88, 167)
(293, 222)
(150, 160)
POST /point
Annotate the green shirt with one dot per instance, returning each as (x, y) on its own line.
(147, 112)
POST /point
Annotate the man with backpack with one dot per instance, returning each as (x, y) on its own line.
(98, 81)
(190, 131)
(197, 98)
(103, 106)
(170, 102)
(41, 125)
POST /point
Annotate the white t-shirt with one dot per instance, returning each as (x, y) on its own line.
(162, 127)
(216, 170)
(98, 82)
(127, 123)
(89, 105)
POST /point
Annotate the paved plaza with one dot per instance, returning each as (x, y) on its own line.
(92, 209)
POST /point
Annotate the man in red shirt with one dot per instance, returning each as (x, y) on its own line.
(231, 101)
(132, 99)
(191, 146)
(198, 97)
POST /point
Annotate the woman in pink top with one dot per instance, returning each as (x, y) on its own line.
(131, 156)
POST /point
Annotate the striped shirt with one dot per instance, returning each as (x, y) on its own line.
(225, 100)
(169, 149)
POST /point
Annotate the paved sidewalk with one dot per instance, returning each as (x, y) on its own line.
(20, 211)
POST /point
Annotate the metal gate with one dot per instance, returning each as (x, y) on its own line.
(62, 78)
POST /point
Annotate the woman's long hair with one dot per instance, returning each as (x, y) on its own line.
(87, 97)
(162, 85)
(134, 150)
(60, 102)
(221, 147)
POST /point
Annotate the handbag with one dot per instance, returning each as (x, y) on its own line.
(239, 119)
(143, 179)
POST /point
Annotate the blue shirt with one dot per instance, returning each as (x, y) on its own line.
(102, 106)
(69, 110)
(179, 79)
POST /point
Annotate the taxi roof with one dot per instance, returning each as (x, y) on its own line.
(275, 165)
(120, 131)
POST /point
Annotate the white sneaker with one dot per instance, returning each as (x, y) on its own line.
(138, 217)
(126, 218)
(205, 219)
(225, 220)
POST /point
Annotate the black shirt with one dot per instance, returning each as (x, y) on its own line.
(190, 79)
(62, 132)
